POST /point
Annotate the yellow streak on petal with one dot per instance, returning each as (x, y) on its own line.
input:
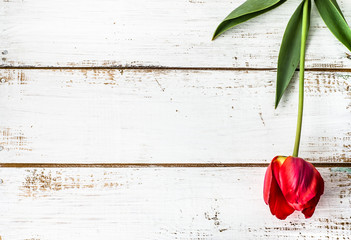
(280, 160)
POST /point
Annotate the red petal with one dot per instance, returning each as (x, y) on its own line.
(277, 203)
(308, 211)
(299, 181)
(272, 169)
(267, 184)
(277, 162)
(311, 205)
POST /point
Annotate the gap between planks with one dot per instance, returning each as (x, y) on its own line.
(166, 68)
(153, 165)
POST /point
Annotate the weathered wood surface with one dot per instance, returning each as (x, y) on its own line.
(206, 111)
(153, 33)
(168, 116)
(156, 203)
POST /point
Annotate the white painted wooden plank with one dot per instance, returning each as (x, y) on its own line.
(168, 116)
(197, 203)
(156, 32)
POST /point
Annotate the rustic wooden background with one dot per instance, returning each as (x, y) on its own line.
(121, 119)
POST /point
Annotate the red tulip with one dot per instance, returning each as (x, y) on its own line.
(291, 184)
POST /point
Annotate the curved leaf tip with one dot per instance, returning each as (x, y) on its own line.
(246, 11)
(335, 20)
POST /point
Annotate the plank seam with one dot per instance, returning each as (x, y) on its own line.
(153, 165)
(165, 68)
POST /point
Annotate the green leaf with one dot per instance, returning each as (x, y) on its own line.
(335, 21)
(289, 55)
(337, 6)
(246, 11)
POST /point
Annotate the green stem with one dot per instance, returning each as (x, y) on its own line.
(302, 76)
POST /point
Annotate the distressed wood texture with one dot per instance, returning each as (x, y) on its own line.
(167, 33)
(168, 116)
(153, 203)
(117, 81)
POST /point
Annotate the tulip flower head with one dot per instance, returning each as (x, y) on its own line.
(290, 184)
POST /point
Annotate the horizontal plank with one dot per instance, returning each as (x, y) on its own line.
(153, 33)
(197, 203)
(168, 116)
